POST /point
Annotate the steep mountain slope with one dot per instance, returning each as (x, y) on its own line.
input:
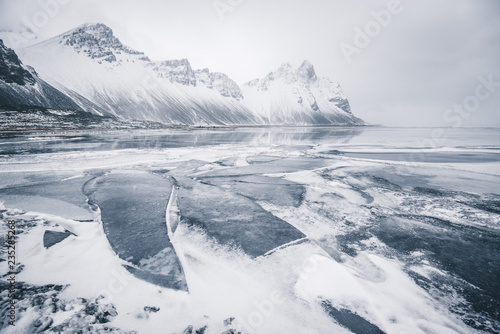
(89, 69)
(288, 96)
(21, 86)
(123, 82)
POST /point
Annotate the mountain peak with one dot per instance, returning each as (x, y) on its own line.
(88, 26)
(306, 71)
(284, 71)
(95, 30)
(97, 41)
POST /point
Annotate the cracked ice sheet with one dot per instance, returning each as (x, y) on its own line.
(229, 217)
(133, 206)
(57, 193)
(180, 310)
(232, 219)
(89, 267)
(262, 188)
(223, 283)
(285, 165)
(226, 283)
(337, 217)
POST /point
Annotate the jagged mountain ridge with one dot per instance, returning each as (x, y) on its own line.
(180, 71)
(92, 68)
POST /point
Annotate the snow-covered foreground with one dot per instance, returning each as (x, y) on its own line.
(286, 230)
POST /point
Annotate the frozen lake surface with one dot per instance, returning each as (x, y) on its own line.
(257, 230)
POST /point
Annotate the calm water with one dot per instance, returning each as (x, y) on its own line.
(353, 138)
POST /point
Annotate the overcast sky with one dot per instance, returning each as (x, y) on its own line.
(423, 63)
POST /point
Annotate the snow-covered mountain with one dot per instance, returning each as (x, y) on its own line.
(97, 73)
(90, 64)
(298, 96)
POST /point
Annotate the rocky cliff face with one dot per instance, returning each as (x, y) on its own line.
(12, 69)
(219, 82)
(178, 71)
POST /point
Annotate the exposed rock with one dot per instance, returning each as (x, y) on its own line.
(201, 330)
(151, 309)
(12, 69)
(228, 321)
(178, 71)
(219, 82)
(51, 238)
(188, 330)
(97, 42)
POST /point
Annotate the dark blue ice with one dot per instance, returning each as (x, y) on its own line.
(133, 212)
(232, 219)
(274, 190)
(51, 238)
